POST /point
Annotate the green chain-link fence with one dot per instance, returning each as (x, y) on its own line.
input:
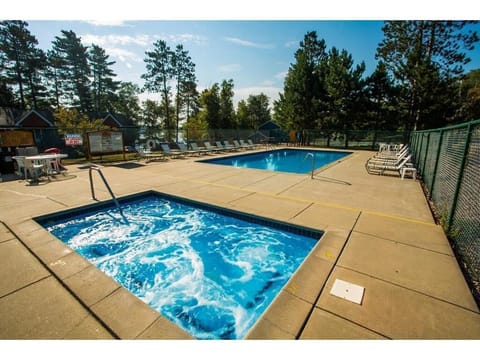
(449, 161)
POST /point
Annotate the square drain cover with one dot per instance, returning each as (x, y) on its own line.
(348, 291)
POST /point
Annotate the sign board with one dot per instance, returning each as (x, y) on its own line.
(16, 138)
(105, 142)
(73, 139)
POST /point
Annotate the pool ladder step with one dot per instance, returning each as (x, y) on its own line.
(97, 169)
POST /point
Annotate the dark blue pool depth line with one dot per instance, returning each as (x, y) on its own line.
(284, 160)
(138, 274)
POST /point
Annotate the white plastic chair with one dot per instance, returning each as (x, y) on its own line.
(35, 169)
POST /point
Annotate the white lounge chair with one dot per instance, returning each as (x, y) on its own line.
(199, 150)
(169, 152)
(228, 146)
(220, 146)
(245, 145)
(150, 156)
(212, 148)
(381, 168)
(239, 146)
(392, 155)
(183, 148)
(250, 142)
(394, 160)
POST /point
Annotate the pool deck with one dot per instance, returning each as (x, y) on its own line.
(379, 234)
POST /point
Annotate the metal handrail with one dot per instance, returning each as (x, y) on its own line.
(313, 163)
(96, 168)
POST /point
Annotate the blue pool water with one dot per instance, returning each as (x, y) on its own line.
(286, 160)
(211, 271)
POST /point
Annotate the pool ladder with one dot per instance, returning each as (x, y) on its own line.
(313, 162)
(97, 169)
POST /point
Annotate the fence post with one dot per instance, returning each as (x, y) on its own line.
(436, 165)
(413, 142)
(426, 153)
(460, 176)
(419, 152)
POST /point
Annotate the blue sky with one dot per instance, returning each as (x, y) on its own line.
(254, 50)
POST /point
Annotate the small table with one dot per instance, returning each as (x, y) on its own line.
(50, 161)
(410, 170)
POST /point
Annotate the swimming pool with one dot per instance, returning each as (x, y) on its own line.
(211, 271)
(296, 161)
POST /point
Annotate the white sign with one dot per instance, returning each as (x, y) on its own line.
(73, 139)
(105, 142)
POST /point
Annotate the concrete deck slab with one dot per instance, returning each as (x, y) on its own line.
(324, 325)
(126, 315)
(19, 267)
(308, 281)
(48, 311)
(265, 205)
(91, 285)
(217, 195)
(239, 180)
(408, 231)
(89, 329)
(68, 265)
(165, 330)
(275, 184)
(326, 217)
(331, 244)
(287, 313)
(399, 313)
(388, 215)
(266, 330)
(5, 234)
(401, 264)
(352, 187)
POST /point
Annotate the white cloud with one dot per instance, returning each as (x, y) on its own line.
(187, 38)
(113, 46)
(290, 44)
(106, 22)
(122, 54)
(111, 40)
(230, 68)
(143, 40)
(248, 43)
(281, 75)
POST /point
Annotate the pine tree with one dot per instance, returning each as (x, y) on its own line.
(184, 75)
(191, 98)
(126, 100)
(159, 73)
(254, 112)
(425, 57)
(227, 111)
(71, 59)
(6, 96)
(303, 88)
(382, 95)
(210, 106)
(22, 63)
(152, 115)
(103, 84)
(343, 85)
(53, 73)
